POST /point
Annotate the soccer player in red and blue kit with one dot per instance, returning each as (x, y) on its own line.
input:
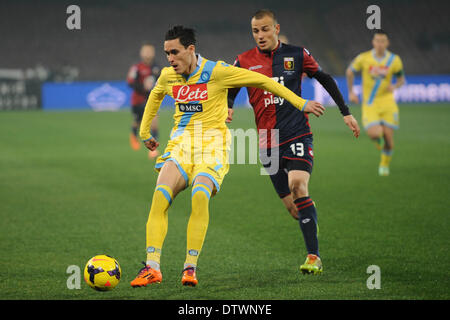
(274, 116)
(141, 78)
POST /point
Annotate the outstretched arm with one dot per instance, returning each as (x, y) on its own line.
(232, 93)
(330, 85)
(350, 78)
(233, 77)
(151, 108)
(400, 81)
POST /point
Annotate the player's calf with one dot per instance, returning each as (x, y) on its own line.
(308, 223)
(375, 133)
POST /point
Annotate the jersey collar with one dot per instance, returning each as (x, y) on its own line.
(271, 52)
(199, 63)
(386, 52)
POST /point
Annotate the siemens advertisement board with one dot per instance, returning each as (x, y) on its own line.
(420, 89)
(115, 95)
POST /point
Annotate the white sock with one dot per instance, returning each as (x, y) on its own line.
(153, 264)
(190, 265)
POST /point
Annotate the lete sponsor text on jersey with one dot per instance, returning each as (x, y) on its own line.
(191, 92)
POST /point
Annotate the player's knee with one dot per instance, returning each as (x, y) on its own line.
(201, 193)
(375, 132)
(389, 144)
(299, 188)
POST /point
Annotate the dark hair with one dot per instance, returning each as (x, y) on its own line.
(146, 43)
(185, 35)
(380, 31)
(261, 13)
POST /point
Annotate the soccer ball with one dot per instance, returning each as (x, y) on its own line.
(102, 272)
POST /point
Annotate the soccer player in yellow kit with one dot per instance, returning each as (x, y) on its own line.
(197, 152)
(380, 114)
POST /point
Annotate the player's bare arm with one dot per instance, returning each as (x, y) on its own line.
(400, 82)
(351, 122)
(350, 78)
(315, 108)
(235, 77)
(329, 84)
(230, 115)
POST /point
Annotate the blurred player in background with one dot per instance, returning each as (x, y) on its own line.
(286, 64)
(197, 152)
(380, 114)
(141, 78)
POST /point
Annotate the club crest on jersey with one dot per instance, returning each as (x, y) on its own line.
(190, 107)
(288, 63)
(190, 92)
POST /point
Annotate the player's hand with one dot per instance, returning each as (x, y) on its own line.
(230, 115)
(149, 82)
(351, 122)
(151, 144)
(353, 97)
(315, 108)
(391, 88)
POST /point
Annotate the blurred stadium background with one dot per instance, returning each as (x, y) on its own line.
(37, 47)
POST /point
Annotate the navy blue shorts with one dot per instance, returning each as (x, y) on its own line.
(138, 112)
(293, 155)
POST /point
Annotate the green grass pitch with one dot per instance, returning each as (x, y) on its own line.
(71, 188)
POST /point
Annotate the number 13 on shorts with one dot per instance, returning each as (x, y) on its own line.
(298, 149)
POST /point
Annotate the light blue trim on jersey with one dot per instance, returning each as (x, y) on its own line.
(379, 59)
(184, 121)
(380, 123)
(204, 78)
(199, 63)
(218, 166)
(304, 105)
(373, 123)
(375, 88)
(390, 125)
(204, 174)
(200, 188)
(164, 192)
(204, 185)
(183, 173)
(207, 71)
(374, 91)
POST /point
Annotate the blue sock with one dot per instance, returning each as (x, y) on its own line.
(308, 223)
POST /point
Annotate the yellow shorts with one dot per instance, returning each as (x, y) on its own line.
(380, 114)
(199, 156)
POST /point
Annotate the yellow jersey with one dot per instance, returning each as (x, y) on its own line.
(376, 76)
(201, 97)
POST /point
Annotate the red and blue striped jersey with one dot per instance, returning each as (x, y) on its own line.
(286, 64)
